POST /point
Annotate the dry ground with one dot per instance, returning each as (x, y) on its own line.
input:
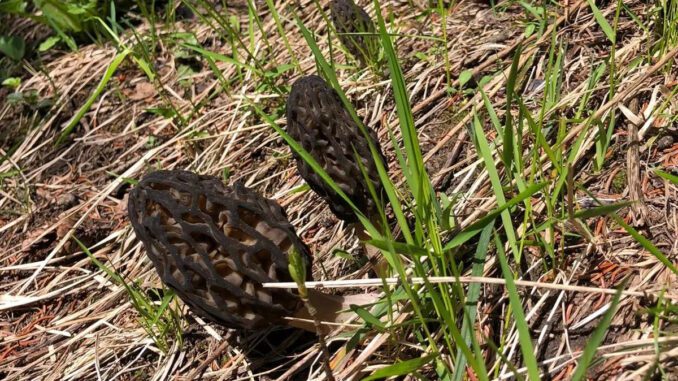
(62, 318)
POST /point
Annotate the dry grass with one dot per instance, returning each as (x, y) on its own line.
(63, 318)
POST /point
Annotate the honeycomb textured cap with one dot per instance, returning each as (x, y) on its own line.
(355, 29)
(317, 119)
(215, 245)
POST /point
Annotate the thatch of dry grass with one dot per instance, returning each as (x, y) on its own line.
(62, 318)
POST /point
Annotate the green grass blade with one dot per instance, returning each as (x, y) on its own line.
(524, 336)
(602, 22)
(597, 338)
(667, 176)
(475, 228)
(508, 129)
(283, 34)
(645, 243)
(317, 168)
(331, 77)
(486, 154)
(471, 306)
(601, 210)
(112, 67)
(401, 368)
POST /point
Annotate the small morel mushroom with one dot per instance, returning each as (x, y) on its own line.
(356, 31)
(215, 245)
(317, 119)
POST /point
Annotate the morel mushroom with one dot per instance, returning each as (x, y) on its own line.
(215, 245)
(317, 119)
(356, 31)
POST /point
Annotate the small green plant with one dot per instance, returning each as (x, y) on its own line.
(68, 18)
(13, 47)
(162, 321)
(666, 25)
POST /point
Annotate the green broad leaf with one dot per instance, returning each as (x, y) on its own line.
(49, 43)
(537, 13)
(601, 210)
(465, 76)
(13, 47)
(530, 29)
(12, 82)
(59, 16)
(401, 368)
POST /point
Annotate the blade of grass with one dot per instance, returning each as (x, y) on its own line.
(401, 368)
(486, 154)
(283, 34)
(524, 336)
(475, 228)
(597, 337)
(645, 243)
(112, 67)
(471, 306)
(426, 218)
(601, 210)
(667, 176)
(602, 22)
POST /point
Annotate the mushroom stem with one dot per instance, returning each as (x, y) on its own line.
(328, 309)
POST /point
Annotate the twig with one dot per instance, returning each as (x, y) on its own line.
(372, 282)
(217, 352)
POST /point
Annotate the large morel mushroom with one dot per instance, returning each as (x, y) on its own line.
(317, 119)
(355, 30)
(215, 245)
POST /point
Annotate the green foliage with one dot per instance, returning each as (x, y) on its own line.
(665, 25)
(400, 368)
(597, 337)
(71, 20)
(13, 47)
(602, 22)
(297, 269)
(160, 321)
(12, 82)
(117, 60)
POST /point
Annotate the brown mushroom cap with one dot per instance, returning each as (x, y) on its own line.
(350, 21)
(317, 119)
(215, 245)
